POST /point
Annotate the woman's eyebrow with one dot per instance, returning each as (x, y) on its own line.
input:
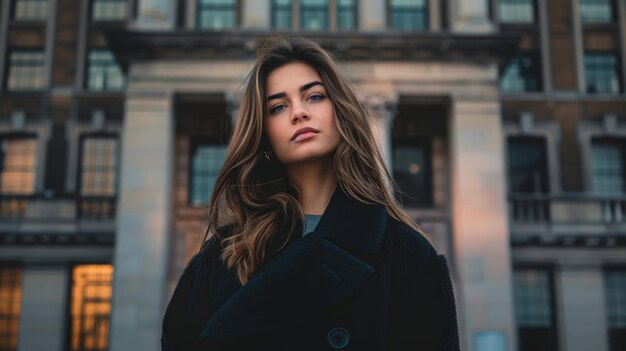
(302, 89)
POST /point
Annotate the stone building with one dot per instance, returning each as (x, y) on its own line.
(502, 121)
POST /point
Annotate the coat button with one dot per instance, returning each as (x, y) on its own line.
(338, 338)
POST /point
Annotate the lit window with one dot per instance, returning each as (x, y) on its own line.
(602, 73)
(18, 159)
(409, 14)
(10, 305)
(216, 14)
(91, 307)
(99, 166)
(108, 10)
(103, 72)
(30, 10)
(206, 162)
(516, 11)
(26, 70)
(412, 171)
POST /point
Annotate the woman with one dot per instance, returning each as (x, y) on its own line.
(267, 277)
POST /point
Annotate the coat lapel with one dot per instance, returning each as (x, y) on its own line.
(309, 275)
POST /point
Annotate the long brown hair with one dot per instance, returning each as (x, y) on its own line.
(252, 195)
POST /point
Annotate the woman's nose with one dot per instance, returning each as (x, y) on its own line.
(299, 112)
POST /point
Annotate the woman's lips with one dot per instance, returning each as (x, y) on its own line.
(304, 136)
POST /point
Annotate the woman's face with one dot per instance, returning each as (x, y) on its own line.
(297, 99)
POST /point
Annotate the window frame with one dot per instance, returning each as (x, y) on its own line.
(195, 142)
(613, 17)
(106, 20)
(534, 11)
(618, 71)
(43, 18)
(425, 143)
(390, 25)
(535, 58)
(117, 166)
(88, 66)
(9, 67)
(236, 13)
(22, 135)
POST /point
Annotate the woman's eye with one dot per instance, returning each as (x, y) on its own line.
(276, 108)
(317, 97)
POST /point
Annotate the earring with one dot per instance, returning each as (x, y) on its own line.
(267, 156)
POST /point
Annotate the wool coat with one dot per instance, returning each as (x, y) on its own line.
(361, 280)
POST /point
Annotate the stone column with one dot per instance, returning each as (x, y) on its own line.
(155, 14)
(144, 218)
(384, 107)
(479, 223)
(470, 16)
(581, 309)
(256, 14)
(44, 305)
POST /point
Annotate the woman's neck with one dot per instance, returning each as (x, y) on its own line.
(317, 180)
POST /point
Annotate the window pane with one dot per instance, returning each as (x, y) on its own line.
(599, 11)
(314, 14)
(31, 10)
(216, 14)
(281, 14)
(206, 162)
(607, 166)
(346, 14)
(107, 10)
(18, 160)
(534, 310)
(412, 173)
(91, 307)
(602, 73)
(527, 165)
(615, 295)
(409, 14)
(523, 74)
(26, 71)
(516, 11)
(103, 71)
(99, 167)
(10, 304)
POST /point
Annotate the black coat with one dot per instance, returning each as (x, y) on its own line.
(361, 281)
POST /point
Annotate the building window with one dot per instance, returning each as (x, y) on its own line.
(18, 160)
(516, 11)
(281, 14)
(527, 164)
(314, 14)
(412, 171)
(534, 310)
(216, 14)
(206, 162)
(91, 307)
(409, 14)
(108, 10)
(615, 293)
(596, 11)
(10, 303)
(99, 166)
(602, 73)
(346, 14)
(30, 10)
(608, 159)
(103, 72)
(523, 74)
(26, 70)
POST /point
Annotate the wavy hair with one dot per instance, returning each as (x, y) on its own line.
(252, 196)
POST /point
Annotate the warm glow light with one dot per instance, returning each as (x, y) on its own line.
(414, 168)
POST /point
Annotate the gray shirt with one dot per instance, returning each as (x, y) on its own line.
(311, 221)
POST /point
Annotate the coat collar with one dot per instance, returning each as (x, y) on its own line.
(308, 276)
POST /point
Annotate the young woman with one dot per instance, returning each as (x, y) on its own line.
(306, 246)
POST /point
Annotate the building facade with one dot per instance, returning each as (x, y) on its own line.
(502, 121)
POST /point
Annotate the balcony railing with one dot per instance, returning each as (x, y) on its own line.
(567, 208)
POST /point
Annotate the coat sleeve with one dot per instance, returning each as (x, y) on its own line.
(445, 306)
(175, 333)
